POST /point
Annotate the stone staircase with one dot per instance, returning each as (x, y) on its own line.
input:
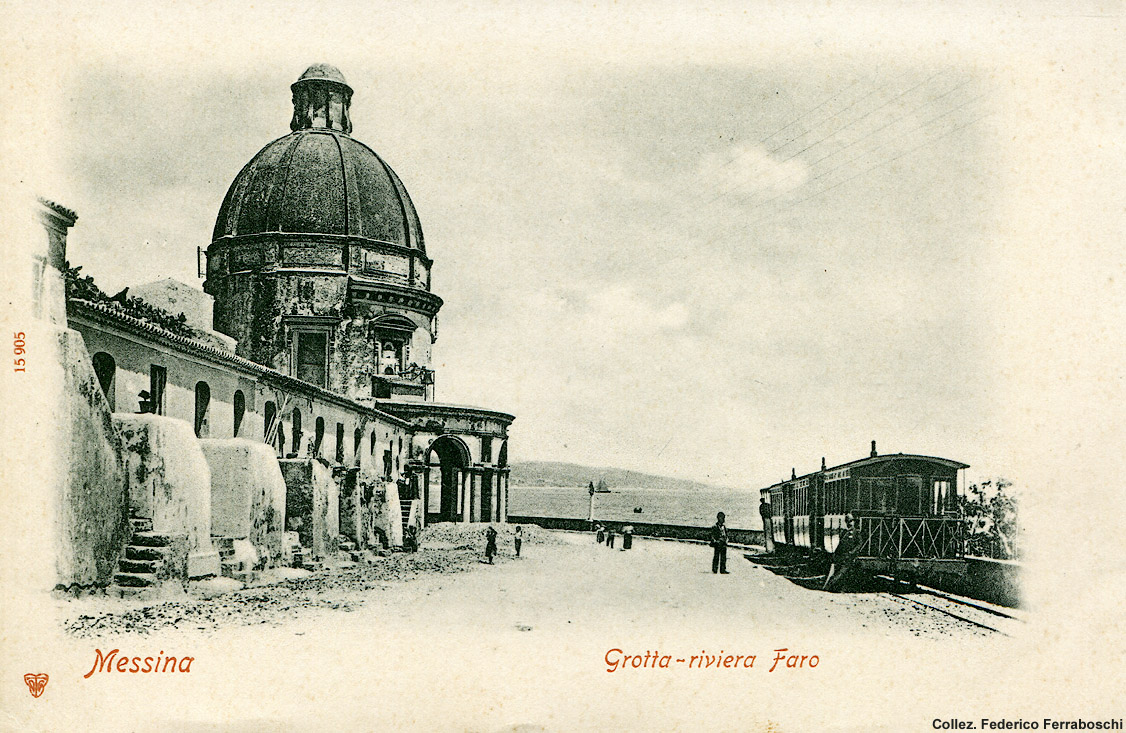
(348, 547)
(405, 508)
(143, 565)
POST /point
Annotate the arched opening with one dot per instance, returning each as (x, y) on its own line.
(357, 441)
(296, 427)
(202, 408)
(319, 436)
(269, 428)
(106, 370)
(240, 411)
(502, 455)
(446, 480)
(372, 450)
(339, 442)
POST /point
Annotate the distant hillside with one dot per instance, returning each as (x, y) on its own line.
(551, 473)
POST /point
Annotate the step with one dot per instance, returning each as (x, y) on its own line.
(150, 539)
(126, 565)
(135, 580)
(141, 524)
(141, 552)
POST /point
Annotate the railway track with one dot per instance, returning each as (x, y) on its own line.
(975, 613)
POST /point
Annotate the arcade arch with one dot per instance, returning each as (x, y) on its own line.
(447, 476)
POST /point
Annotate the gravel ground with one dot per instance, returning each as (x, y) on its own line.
(445, 548)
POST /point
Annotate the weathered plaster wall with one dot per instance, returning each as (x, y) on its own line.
(91, 512)
(134, 359)
(169, 481)
(247, 495)
(312, 504)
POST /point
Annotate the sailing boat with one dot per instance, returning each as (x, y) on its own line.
(602, 487)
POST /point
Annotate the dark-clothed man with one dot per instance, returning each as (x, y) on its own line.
(719, 545)
(766, 511)
(490, 544)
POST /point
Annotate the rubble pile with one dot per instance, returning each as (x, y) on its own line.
(472, 536)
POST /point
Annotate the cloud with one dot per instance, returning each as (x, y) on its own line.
(747, 170)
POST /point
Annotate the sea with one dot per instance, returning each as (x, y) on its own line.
(693, 507)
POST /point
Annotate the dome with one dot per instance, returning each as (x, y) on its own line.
(319, 181)
(323, 71)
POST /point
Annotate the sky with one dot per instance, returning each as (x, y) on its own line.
(663, 247)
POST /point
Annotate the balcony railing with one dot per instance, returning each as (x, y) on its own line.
(911, 537)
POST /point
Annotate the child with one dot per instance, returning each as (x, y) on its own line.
(519, 539)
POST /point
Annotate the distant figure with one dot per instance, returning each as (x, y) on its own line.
(519, 539)
(766, 511)
(609, 536)
(490, 544)
(627, 537)
(719, 545)
(599, 534)
(410, 539)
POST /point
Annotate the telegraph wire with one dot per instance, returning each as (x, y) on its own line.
(828, 119)
(826, 137)
(877, 147)
(874, 167)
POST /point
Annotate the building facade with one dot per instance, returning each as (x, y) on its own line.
(305, 365)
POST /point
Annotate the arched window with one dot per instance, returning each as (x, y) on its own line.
(340, 442)
(319, 437)
(372, 450)
(240, 411)
(357, 441)
(106, 370)
(202, 408)
(269, 430)
(296, 425)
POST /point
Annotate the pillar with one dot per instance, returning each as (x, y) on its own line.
(494, 488)
(466, 499)
(476, 477)
(502, 491)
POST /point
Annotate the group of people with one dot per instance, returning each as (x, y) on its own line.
(606, 535)
(491, 542)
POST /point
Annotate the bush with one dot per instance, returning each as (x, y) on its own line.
(991, 513)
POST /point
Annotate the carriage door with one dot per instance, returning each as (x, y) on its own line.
(910, 499)
(788, 505)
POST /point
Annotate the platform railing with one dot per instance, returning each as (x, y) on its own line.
(893, 537)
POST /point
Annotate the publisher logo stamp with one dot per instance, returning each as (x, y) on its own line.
(36, 683)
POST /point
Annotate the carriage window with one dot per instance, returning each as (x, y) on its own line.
(941, 498)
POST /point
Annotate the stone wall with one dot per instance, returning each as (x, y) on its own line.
(312, 506)
(169, 482)
(247, 496)
(91, 515)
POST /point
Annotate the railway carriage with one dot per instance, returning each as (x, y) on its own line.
(904, 510)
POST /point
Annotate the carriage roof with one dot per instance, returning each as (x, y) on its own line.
(870, 460)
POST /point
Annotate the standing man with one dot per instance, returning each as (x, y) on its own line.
(766, 511)
(719, 543)
(609, 536)
(490, 544)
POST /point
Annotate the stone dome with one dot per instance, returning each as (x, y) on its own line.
(318, 179)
